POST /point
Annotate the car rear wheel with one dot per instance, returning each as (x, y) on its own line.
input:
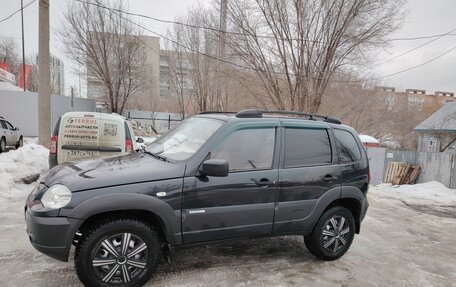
(120, 252)
(332, 235)
(2, 145)
(20, 143)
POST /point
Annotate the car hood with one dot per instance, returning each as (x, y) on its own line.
(112, 171)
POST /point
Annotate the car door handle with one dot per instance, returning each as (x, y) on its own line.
(264, 182)
(329, 177)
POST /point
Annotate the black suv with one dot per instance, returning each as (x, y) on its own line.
(214, 177)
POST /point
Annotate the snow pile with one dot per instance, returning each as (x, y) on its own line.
(16, 164)
(429, 192)
(368, 139)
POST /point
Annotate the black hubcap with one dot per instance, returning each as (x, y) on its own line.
(120, 258)
(335, 234)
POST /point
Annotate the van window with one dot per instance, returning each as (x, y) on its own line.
(306, 147)
(347, 146)
(111, 134)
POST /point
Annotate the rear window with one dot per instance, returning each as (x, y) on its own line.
(306, 147)
(347, 146)
(111, 134)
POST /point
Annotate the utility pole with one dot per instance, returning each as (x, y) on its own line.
(72, 98)
(222, 54)
(44, 76)
(23, 47)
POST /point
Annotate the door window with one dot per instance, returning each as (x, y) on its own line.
(10, 126)
(247, 149)
(347, 146)
(305, 147)
(3, 124)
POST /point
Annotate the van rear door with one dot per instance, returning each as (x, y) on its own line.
(79, 137)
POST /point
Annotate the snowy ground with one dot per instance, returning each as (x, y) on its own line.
(406, 240)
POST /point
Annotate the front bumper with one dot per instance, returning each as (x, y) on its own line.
(51, 235)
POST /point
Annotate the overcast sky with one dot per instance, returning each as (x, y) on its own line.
(425, 17)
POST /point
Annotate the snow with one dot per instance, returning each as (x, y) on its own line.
(429, 192)
(368, 139)
(16, 164)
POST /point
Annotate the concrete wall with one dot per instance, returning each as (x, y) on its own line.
(21, 109)
(434, 165)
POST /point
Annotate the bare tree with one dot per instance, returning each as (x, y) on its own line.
(107, 43)
(297, 47)
(8, 54)
(196, 51)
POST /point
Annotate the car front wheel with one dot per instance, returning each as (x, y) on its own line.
(20, 143)
(332, 235)
(120, 252)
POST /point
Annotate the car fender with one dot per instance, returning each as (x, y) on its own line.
(124, 201)
(351, 192)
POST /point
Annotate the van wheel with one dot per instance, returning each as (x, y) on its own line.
(120, 252)
(2, 145)
(20, 143)
(332, 235)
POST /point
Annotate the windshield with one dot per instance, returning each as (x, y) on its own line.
(184, 140)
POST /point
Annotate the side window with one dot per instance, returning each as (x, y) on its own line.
(347, 146)
(247, 149)
(3, 124)
(10, 126)
(306, 147)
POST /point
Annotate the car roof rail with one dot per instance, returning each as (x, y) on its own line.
(216, 112)
(308, 116)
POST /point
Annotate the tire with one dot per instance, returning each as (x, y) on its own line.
(2, 145)
(328, 241)
(20, 143)
(99, 244)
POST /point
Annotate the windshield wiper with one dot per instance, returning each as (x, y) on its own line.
(160, 157)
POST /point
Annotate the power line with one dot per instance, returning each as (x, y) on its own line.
(14, 13)
(257, 70)
(420, 65)
(418, 47)
(243, 34)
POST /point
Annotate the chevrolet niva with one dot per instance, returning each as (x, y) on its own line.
(214, 177)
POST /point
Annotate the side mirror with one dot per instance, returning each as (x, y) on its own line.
(140, 140)
(214, 167)
(15, 129)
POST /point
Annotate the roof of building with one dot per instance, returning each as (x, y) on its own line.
(442, 120)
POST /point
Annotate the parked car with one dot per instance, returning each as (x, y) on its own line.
(214, 177)
(9, 135)
(82, 135)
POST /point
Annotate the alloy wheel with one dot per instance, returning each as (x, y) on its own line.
(120, 258)
(335, 234)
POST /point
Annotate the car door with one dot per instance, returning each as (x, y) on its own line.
(11, 139)
(4, 130)
(308, 170)
(242, 203)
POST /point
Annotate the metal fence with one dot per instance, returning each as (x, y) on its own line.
(160, 121)
(439, 166)
(21, 109)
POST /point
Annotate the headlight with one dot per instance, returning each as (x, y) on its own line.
(57, 196)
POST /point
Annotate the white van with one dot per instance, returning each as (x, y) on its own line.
(82, 135)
